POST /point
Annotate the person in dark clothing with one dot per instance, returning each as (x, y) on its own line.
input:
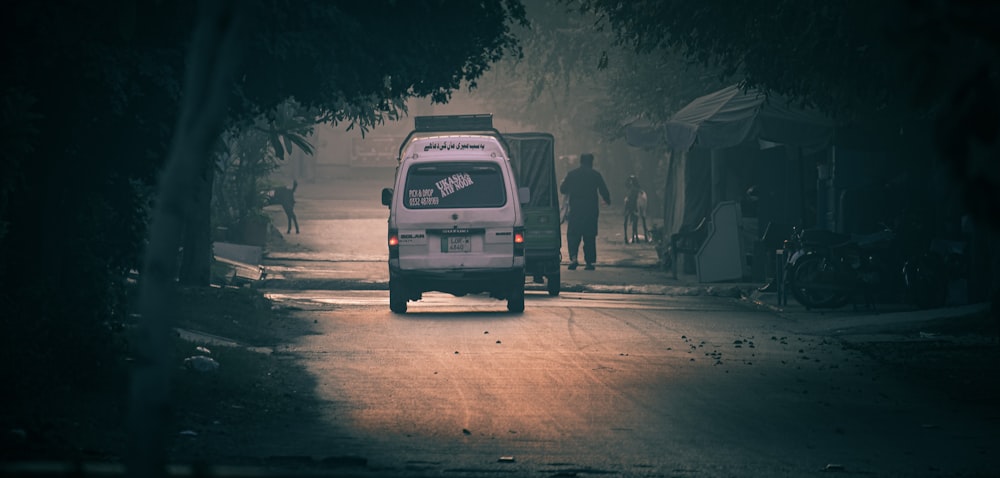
(582, 185)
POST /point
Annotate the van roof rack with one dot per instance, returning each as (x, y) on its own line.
(477, 122)
(452, 123)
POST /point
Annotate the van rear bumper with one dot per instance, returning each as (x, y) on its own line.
(497, 282)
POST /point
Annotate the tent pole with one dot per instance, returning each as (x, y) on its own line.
(716, 157)
(803, 209)
(834, 219)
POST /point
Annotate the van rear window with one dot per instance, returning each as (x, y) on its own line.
(454, 185)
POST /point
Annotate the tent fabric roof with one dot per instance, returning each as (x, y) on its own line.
(729, 117)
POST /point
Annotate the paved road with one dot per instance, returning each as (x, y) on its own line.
(613, 384)
(590, 383)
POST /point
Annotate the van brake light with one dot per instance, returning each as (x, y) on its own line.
(393, 241)
(518, 241)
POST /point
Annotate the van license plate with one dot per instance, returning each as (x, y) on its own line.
(456, 244)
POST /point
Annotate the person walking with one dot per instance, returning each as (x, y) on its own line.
(582, 185)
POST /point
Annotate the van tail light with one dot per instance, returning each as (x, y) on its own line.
(518, 241)
(393, 241)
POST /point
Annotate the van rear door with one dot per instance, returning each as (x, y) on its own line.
(458, 215)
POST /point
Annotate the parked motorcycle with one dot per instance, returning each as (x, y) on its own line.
(827, 269)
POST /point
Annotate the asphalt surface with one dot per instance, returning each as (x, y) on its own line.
(337, 267)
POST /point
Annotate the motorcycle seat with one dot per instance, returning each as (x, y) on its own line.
(823, 237)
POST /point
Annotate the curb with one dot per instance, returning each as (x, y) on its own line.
(731, 291)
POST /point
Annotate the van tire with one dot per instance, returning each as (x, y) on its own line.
(515, 301)
(553, 284)
(397, 297)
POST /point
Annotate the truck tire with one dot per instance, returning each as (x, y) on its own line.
(553, 284)
(515, 301)
(397, 297)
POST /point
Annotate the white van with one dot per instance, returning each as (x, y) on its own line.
(455, 222)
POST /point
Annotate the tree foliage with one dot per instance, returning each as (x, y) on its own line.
(891, 67)
(360, 61)
(574, 81)
(834, 55)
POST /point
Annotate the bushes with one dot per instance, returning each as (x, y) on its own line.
(62, 346)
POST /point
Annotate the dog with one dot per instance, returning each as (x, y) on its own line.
(285, 197)
(635, 210)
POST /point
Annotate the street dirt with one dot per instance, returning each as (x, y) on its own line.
(958, 355)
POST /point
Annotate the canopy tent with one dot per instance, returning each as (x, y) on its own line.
(732, 116)
(739, 121)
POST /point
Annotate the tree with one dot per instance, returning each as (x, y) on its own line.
(561, 83)
(214, 62)
(101, 84)
(215, 54)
